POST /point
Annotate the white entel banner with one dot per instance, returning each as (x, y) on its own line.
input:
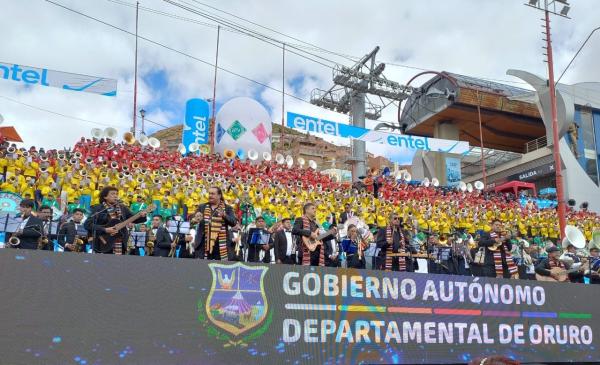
(64, 80)
(400, 141)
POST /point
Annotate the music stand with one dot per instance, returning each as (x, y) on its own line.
(257, 236)
(139, 239)
(53, 229)
(178, 227)
(11, 223)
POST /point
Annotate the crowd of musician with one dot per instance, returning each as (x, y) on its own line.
(384, 223)
(215, 233)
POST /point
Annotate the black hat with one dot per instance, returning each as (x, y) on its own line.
(552, 249)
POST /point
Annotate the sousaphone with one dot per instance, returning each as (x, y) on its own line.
(252, 155)
(279, 159)
(154, 142)
(573, 236)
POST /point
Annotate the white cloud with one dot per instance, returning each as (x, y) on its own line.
(467, 36)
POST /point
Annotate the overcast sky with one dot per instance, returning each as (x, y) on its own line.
(473, 37)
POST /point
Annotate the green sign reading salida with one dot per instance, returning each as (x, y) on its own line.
(146, 310)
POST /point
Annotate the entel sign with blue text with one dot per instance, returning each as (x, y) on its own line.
(68, 81)
(316, 125)
(196, 125)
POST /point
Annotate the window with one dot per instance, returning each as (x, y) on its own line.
(581, 138)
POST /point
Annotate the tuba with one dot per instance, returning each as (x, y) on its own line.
(129, 138)
(573, 236)
(229, 154)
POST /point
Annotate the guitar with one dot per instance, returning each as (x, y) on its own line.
(106, 240)
(312, 244)
(561, 274)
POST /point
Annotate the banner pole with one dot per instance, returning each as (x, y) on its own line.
(137, 10)
(481, 140)
(283, 94)
(214, 98)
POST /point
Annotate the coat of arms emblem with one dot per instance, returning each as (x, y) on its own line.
(236, 302)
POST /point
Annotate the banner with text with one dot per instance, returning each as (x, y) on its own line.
(195, 129)
(197, 311)
(453, 173)
(316, 125)
(27, 75)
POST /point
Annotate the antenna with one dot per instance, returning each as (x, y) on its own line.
(350, 95)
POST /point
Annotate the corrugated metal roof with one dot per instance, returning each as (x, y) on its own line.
(485, 85)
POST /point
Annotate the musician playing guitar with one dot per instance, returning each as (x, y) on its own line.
(551, 266)
(306, 230)
(105, 216)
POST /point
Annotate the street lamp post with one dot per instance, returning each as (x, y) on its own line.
(143, 115)
(545, 6)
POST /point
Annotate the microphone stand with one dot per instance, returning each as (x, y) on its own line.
(244, 231)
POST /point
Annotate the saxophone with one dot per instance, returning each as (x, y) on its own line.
(130, 244)
(174, 248)
(43, 240)
(14, 240)
(150, 243)
(78, 242)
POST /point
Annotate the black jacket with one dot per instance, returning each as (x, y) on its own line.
(486, 241)
(100, 219)
(254, 252)
(280, 245)
(31, 233)
(200, 241)
(329, 244)
(67, 234)
(397, 241)
(162, 242)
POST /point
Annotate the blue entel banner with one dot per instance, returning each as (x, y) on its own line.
(403, 141)
(195, 129)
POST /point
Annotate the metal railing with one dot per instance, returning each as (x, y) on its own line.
(536, 144)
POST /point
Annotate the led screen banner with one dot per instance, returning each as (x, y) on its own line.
(394, 140)
(28, 75)
(453, 175)
(60, 308)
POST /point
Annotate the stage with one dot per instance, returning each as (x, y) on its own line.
(60, 308)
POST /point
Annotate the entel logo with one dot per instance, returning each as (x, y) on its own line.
(317, 125)
(27, 76)
(200, 129)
